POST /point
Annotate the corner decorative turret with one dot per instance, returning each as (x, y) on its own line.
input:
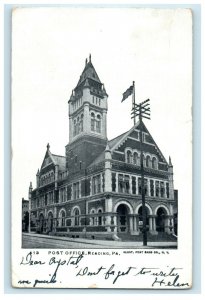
(88, 106)
(37, 178)
(171, 179)
(30, 190)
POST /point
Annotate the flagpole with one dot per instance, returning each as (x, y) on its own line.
(133, 101)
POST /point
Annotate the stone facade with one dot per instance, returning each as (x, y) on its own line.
(95, 190)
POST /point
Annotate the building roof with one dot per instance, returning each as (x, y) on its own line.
(89, 72)
(111, 144)
(114, 141)
(55, 159)
(60, 161)
(120, 139)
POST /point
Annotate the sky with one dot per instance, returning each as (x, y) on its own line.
(49, 47)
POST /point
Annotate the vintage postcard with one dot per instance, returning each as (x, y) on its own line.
(101, 148)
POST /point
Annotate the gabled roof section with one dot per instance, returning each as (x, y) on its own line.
(50, 158)
(121, 138)
(117, 142)
(89, 72)
(114, 141)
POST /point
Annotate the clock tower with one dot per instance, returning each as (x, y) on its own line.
(87, 119)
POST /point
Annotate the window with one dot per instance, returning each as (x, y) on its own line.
(103, 182)
(63, 194)
(69, 192)
(135, 158)
(145, 187)
(81, 123)
(99, 217)
(46, 198)
(76, 217)
(98, 124)
(120, 183)
(96, 184)
(151, 187)
(129, 157)
(78, 125)
(139, 186)
(92, 122)
(95, 123)
(167, 190)
(127, 184)
(62, 218)
(93, 218)
(114, 182)
(134, 185)
(157, 188)
(162, 190)
(148, 161)
(76, 190)
(154, 163)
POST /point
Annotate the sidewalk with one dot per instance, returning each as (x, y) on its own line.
(105, 243)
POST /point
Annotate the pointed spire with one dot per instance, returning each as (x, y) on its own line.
(86, 61)
(108, 152)
(48, 147)
(37, 173)
(90, 58)
(107, 149)
(170, 161)
(30, 186)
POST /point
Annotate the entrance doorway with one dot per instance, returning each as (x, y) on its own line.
(122, 218)
(41, 223)
(160, 220)
(141, 218)
(50, 221)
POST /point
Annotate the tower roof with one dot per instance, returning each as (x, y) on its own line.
(88, 79)
(89, 73)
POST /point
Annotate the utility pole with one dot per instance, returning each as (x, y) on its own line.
(143, 111)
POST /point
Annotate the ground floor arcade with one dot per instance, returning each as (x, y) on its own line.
(118, 216)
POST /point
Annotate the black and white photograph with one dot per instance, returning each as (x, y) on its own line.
(102, 145)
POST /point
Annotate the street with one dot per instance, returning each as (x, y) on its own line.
(30, 240)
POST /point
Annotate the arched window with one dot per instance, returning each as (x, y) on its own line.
(154, 163)
(98, 124)
(93, 218)
(76, 217)
(62, 218)
(92, 122)
(135, 158)
(129, 157)
(148, 161)
(99, 217)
